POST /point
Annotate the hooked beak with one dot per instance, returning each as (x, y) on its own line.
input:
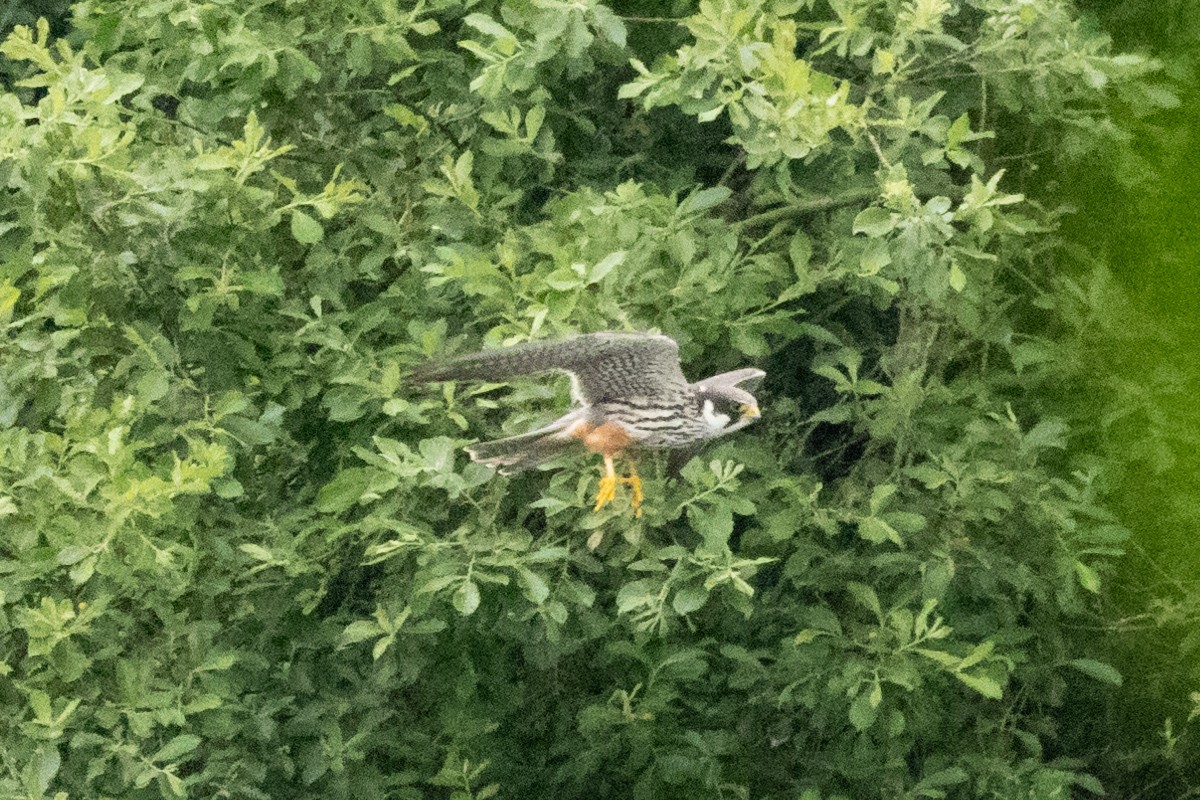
(750, 411)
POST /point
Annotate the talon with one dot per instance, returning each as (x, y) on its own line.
(608, 485)
(608, 490)
(635, 486)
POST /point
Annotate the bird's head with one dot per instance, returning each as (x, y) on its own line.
(728, 398)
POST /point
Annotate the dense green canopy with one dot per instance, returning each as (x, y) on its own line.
(244, 557)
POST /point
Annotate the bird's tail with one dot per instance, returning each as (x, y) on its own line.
(517, 453)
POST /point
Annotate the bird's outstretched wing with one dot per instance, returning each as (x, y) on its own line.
(604, 366)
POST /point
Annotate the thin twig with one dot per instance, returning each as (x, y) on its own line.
(653, 19)
(733, 165)
(813, 206)
(878, 150)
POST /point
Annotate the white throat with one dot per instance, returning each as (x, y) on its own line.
(715, 421)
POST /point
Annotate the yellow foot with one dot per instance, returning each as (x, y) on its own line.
(608, 488)
(635, 486)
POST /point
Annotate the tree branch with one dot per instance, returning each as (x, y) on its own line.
(813, 206)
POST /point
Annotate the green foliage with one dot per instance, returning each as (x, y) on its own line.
(244, 557)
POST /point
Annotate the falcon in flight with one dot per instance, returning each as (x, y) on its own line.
(629, 394)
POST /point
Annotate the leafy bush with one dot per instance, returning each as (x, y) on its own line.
(244, 557)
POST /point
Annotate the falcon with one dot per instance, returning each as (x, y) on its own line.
(629, 394)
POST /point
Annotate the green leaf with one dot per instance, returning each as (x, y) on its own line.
(610, 25)
(750, 342)
(1046, 434)
(713, 524)
(874, 258)
(636, 594)
(175, 784)
(438, 583)
(153, 386)
(945, 659)
(228, 488)
(865, 596)
(705, 199)
(305, 229)
(876, 530)
(880, 495)
(548, 554)
(1087, 576)
(533, 120)
(487, 25)
(605, 266)
(249, 431)
(466, 598)
(863, 712)
(977, 655)
(906, 521)
(39, 701)
(44, 766)
(1105, 673)
(874, 222)
(958, 131)
(72, 554)
(958, 279)
(1088, 782)
(228, 403)
(180, 745)
(358, 631)
(382, 646)
(951, 776)
(800, 251)
(82, 572)
(930, 476)
(257, 552)
(564, 279)
(218, 662)
(634, 88)
(689, 599)
(8, 300)
(346, 488)
(986, 686)
(805, 636)
(533, 585)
